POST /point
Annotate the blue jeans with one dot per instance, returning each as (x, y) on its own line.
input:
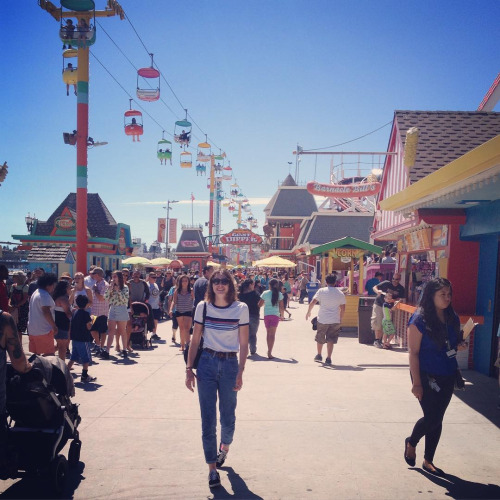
(252, 333)
(216, 375)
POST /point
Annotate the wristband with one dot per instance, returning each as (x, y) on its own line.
(189, 369)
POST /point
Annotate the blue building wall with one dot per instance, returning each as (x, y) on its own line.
(485, 305)
(483, 225)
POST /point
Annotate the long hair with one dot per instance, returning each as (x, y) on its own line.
(120, 279)
(274, 286)
(244, 285)
(61, 289)
(179, 283)
(231, 292)
(427, 309)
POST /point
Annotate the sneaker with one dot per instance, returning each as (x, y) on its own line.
(221, 457)
(88, 378)
(155, 337)
(213, 479)
(318, 358)
(104, 354)
(124, 353)
(378, 344)
(328, 361)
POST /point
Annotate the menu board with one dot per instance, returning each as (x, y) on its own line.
(439, 236)
(418, 240)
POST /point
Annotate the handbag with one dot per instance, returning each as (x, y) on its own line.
(200, 346)
(314, 322)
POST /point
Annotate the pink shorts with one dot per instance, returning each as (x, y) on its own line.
(42, 344)
(271, 321)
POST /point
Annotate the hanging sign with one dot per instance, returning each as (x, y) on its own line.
(348, 252)
(162, 224)
(355, 190)
(241, 237)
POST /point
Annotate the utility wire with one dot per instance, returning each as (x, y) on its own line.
(352, 140)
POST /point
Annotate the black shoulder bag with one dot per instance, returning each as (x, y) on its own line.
(200, 347)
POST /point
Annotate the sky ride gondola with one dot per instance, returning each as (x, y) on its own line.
(186, 159)
(83, 34)
(133, 123)
(151, 73)
(69, 72)
(227, 173)
(164, 150)
(204, 151)
(182, 131)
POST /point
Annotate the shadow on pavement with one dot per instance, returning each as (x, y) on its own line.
(383, 366)
(344, 367)
(240, 488)
(481, 394)
(462, 489)
(38, 487)
(258, 357)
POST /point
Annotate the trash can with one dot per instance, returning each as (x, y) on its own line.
(365, 332)
(311, 288)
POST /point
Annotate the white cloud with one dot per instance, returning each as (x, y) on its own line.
(253, 201)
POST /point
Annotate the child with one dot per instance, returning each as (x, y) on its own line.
(81, 337)
(387, 325)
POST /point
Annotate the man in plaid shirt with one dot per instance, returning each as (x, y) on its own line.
(99, 310)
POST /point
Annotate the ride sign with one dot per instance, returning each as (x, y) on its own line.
(355, 190)
(241, 237)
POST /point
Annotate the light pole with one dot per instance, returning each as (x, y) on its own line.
(168, 208)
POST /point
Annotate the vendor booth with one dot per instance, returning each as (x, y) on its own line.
(340, 255)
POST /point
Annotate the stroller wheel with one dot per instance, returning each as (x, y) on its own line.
(58, 473)
(74, 453)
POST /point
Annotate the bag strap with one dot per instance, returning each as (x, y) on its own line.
(204, 313)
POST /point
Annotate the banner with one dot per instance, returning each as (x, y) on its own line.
(172, 231)
(162, 224)
(241, 237)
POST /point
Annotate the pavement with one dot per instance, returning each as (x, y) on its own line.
(303, 429)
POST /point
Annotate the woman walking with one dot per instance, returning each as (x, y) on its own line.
(224, 324)
(433, 337)
(251, 298)
(272, 300)
(117, 296)
(182, 303)
(62, 313)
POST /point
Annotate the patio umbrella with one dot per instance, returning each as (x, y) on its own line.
(161, 261)
(136, 261)
(275, 261)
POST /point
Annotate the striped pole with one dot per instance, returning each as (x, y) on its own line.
(82, 120)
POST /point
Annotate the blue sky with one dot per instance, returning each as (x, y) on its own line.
(258, 77)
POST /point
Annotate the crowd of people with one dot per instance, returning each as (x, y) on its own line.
(217, 314)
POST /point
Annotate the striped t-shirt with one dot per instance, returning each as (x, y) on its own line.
(222, 325)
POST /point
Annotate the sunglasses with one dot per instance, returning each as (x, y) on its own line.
(220, 281)
(396, 279)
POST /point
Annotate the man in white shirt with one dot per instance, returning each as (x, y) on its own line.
(331, 311)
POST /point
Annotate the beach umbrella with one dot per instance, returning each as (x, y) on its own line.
(161, 261)
(275, 261)
(136, 261)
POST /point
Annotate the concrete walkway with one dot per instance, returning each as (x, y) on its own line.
(303, 430)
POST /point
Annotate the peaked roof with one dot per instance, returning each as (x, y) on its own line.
(51, 254)
(292, 202)
(289, 181)
(191, 241)
(327, 226)
(100, 222)
(347, 242)
(445, 135)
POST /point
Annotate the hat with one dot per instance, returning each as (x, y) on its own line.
(66, 276)
(19, 273)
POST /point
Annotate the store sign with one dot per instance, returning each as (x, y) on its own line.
(241, 237)
(348, 252)
(189, 243)
(65, 223)
(356, 190)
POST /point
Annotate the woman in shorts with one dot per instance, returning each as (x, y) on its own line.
(117, 296)
(62, 313)
(183, 304)
(272, 300)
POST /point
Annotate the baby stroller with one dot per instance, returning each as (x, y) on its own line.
(41, 419)
(139, 318)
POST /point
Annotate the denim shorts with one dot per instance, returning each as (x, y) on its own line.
(118, 313)
(80, 351)
(61, 334)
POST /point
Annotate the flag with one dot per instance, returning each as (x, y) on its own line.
(172, 231)
(192, 197)
(162, 224)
